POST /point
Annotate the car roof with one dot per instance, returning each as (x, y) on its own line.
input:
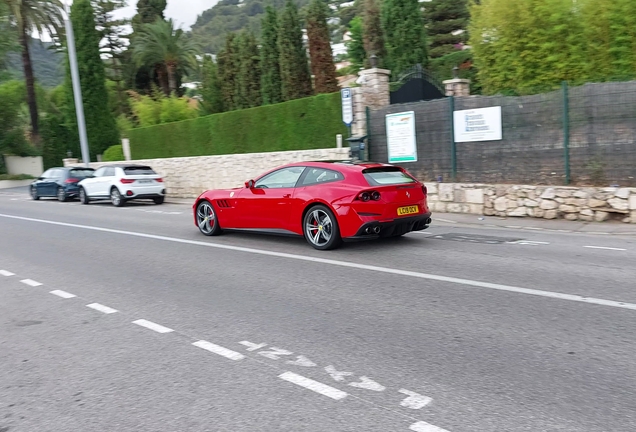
(343, 165)
(127, 166)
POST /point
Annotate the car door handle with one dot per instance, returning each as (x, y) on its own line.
(287, 196)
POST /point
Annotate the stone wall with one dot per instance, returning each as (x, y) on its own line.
(188, 177)
(554, 202)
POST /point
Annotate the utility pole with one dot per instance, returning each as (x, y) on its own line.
(77, 89)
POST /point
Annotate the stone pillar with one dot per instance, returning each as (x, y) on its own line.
(457, 87)
(373, 92)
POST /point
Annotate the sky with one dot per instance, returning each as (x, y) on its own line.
(183, 12)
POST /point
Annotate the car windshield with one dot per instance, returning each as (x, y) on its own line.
(81, 173)
(138, 171)
(386, 176)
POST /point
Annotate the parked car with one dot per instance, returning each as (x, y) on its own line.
(60, 182)
(326, 202)
(121, 183)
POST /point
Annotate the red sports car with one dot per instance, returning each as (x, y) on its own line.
(326, 202)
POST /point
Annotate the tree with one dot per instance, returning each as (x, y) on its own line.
(7, 37)
(447, 23)
(228, 63)
(249, 72)
(30, 16)
(270, 55)
(322, 66)
(527, 47)
(405, 37)
(160, 43)
(148, 11)
(372, 32)
(212, 102)
(100, 124)
(294, 70)
(355, 47)
(623, 41)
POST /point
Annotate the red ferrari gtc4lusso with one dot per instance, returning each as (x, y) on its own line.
(326, 202)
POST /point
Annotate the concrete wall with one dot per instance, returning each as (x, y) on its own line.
(547, 202)
(24, 165)
(188, 177)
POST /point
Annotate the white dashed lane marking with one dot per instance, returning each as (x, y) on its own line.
(216, 349)
(153, 326)
(63, 294)
(6, 273)
(30, 282)
(102, 308)
(425, 427)
(318, 387)
(605, 248)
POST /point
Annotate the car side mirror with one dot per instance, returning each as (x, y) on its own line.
(40, 178)
(249, 184)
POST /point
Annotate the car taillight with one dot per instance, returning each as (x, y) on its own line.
(366, 196)
(127, 181)
(71, 180)
(424, 190)
(160, 180)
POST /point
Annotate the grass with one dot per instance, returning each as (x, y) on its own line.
(15, 177)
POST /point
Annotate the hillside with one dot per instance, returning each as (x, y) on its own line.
(227, 16)
(48, 65)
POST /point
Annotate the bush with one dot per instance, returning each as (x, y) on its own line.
(15, 177)
(114, 154)
(308, 123)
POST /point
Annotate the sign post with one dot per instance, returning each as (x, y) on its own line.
(347, 107)
(482, 124)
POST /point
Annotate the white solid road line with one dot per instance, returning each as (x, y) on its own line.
(6, 273)
(312, 385)
(102, 308)
(63, 294)
(30, 282)
(425, 427)
(605, 248)
(357, 266)
(216, 349)
(153, 326)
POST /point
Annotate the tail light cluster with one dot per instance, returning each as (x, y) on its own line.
(368, 196)
(424, 190)
(71, 180)
(127, 181)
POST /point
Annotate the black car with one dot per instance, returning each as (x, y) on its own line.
(59, 182)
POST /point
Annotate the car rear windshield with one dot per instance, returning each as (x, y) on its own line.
(386, 176)
(81, 173)
(138, 171)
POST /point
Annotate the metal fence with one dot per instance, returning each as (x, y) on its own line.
(579, 135)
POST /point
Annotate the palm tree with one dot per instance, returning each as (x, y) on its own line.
(28, 17)
(161, 44)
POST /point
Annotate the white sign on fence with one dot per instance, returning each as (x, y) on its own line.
(347, 106)
(483, 124)
(400, 137)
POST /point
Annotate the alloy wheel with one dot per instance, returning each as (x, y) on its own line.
(319, 228)
(206, 219)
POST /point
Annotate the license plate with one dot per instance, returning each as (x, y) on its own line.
(144, 181)
(401, 211)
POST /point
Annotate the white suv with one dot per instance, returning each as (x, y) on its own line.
(121, 183)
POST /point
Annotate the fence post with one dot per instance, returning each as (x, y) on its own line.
(451, 100)
(566, 130)
(367, 113)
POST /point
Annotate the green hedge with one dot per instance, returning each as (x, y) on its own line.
(309, 123)
(114, 154)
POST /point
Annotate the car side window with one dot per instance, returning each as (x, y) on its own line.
(58, 174)
(47, 174)
(100, 172)
(282, 178)
(316, 176)
(109, 172)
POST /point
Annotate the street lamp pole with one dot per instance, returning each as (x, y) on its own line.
(77, 89)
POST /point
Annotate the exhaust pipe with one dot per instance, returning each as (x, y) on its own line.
(376, 230)
(368, 230)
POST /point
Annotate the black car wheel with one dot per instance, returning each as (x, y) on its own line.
(116, 198)
(61, 194)
(206, 219)
(82, 196)
(34, 193)
(159, 200)
(321, 228)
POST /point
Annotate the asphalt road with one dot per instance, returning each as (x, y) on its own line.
(458, 329)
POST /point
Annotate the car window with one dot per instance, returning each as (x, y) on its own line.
(81, 172)
(386, 176)
(47, 173)
(139, 170)
(57, 174)
(282, 178)
(320, 175)
(109, 172)
(100, 172)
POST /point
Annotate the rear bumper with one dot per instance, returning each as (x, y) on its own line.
(394, 227)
